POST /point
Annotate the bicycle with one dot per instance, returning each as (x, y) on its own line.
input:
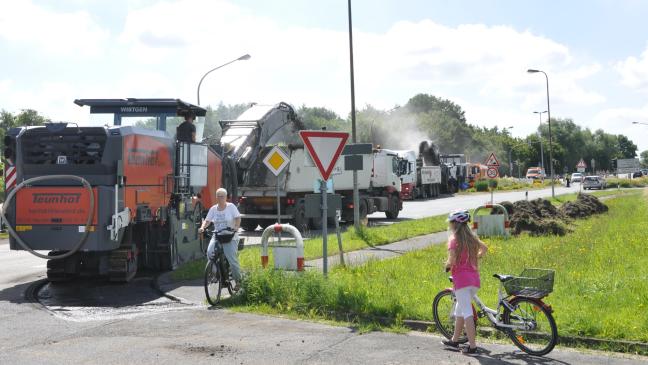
(521, 314)
(215, 281)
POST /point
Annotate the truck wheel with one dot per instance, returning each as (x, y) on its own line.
(249, 224)
(392, 210)
(363, 212)
(300, 221)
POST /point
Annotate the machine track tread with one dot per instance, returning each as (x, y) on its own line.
(122, 265)
(56, 270)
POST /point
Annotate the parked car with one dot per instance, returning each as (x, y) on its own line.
(577, 177)
(594, 182)
(637, 174)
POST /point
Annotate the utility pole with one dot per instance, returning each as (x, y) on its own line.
(356, 198)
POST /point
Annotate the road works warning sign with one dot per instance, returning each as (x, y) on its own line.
(324, 148)
(276, 160)
(492, 161)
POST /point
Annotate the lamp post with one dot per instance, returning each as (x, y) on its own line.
(356, 196)
(242, 58)
(640, 123)
(540, 138)
(553, 192)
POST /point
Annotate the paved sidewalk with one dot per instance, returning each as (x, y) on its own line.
(192, 291)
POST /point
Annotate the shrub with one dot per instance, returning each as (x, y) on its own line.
(481, 185)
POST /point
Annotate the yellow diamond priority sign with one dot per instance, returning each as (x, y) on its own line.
(276, 160)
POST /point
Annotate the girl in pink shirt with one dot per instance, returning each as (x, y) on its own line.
(464, 248)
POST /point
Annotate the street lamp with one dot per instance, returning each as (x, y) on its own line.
(553, 193)
(640, 123)
(540, 137)
(356, 193)
(245, 57)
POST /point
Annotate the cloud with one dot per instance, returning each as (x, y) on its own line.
(619, 121)
(634, 71)
(164, 48)
(55, 33)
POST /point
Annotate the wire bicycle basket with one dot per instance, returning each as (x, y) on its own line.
(532, 283)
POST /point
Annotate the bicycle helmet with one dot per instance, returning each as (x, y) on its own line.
(459, 216)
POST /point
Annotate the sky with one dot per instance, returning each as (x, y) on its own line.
(474, 53)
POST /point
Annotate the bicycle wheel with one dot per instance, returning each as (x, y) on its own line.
(213, 283)
(443, 308)
(539, 335)
(227, 283)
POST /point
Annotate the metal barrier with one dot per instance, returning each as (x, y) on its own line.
(285, 257)
(493, 224)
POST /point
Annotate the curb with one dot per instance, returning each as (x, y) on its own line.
(634, 347)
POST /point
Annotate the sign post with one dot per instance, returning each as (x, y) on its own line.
(276, 160)
(492, 172)
(324, 148)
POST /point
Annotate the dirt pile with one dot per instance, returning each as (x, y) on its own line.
(540, 217)
(584, 206)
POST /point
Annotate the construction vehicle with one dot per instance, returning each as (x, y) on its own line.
(457, 172)
(252, 135)
(108, 200)
(536, 173)
(429, 173)
(419, 181)
(476, 172)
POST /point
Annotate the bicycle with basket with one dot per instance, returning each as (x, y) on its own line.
(218, 275)
(521, 313)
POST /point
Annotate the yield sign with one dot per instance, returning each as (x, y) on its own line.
(276, 160)
(324, 148)
(492, 161)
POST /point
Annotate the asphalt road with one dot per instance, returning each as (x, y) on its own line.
(444, 204)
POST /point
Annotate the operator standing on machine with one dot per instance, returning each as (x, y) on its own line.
(186, 131)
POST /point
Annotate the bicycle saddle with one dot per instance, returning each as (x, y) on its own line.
(503, 277)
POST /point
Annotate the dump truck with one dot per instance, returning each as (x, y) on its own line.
(419, 181)
(249, 138)
(427, 174)
(110, 199)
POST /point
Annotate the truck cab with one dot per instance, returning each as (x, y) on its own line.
(534, 173)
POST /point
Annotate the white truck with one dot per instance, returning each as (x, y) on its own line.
(250, 137)
(418, 180)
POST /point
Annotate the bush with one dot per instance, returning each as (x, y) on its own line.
(481, 185)
(641, 182)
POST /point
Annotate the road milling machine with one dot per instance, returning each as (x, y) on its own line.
(113, 198)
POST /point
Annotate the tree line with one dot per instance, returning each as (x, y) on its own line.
(427, 117)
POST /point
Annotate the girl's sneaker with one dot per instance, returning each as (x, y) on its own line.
(450, 343)
(467, 350)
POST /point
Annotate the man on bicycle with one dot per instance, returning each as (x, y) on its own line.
(225, 215)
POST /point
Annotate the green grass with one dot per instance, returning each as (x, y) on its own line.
(563, 198)
(250, 257)
(600, 289)
(507, 184)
